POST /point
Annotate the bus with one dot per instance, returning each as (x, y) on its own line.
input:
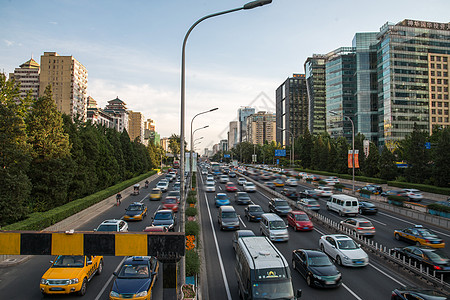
(176, 164)
(215, 168)
(262, 271)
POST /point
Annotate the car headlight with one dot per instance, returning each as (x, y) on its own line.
(114, 294)
(141, 294)
(73, 281)
(346, 257)
(43, 281)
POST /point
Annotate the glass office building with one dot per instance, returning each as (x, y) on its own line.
(315, 85)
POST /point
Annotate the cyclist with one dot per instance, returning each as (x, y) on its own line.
(146, 184)
(118, 198)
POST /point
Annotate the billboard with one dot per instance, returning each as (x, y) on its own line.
(281, 152)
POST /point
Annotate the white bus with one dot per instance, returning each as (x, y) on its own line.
(262, 271)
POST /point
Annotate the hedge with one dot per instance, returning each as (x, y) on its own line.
(192, 263)
(192, 228)
(366, 192)
(41, 220)
(439, 207)
(422, 187)
(191, 211)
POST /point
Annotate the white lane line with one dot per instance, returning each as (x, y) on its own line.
(373, 220)
(242, 222)
(109, 280)
(264, 195)
(225, 280)
(387, 275)
(351, 292)
(403, 220)
(220, 187)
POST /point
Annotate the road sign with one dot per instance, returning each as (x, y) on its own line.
(281, 152)
(226, 155)
(278, 161)
(427, 145)
(253, 157)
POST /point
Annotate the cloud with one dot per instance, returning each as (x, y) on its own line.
(53, 22)
(9, 43)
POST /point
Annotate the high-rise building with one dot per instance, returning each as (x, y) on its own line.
(165, 144)
(136, 126)
(233, 134)
(223, 145)
(243, 113)
(27, 75)
(341, 91)
(291, 109)
(261, 127)
(68, 79)
(315, 86)
(409, 77)
(117, 108)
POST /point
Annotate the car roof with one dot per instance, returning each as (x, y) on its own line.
(339, 236)
(164, 211)
(227, 208)
(221, 194)
(359, 219)
(137, 260)
(111, 221)
(253, 205)
(298, 212)
(312, 252)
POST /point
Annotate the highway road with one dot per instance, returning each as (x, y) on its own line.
(375, 281)
(22, 281)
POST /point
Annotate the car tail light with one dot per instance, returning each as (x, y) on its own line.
(437, 268)
(427, 241)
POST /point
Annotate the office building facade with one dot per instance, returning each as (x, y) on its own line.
(315, 87)
(243, 113)
(27, 77)
(68, 79)
(291, 109)
(233, 134)
(136, 126)
(261, 127)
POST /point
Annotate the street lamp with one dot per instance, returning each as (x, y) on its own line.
(192, 136)
(353, 147)
(293, 142)
(249, 5)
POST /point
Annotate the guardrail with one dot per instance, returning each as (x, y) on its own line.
(368, 244)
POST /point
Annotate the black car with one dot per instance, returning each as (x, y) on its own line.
(366, 208)
(253, 212)
(309, 194)
(316, 267)
(166, 218)
(242, 198)
(279, 206)
(412, 293)
(137, 276)
(431, 258)
(291, 193)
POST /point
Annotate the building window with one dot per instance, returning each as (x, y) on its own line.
(439, 104)
(433, 96)
(432, 66)
(438, 58)
(439, 112)
(433, 111)
(433, 119)
(433, 88)
(432, 58)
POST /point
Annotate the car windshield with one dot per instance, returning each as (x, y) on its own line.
(134, 271)
(255, 209)
(134, 208)
(229, 215)
(273, 289)
(277, 225)
(222, 197)
(347, 244)
(170, 200)
(319, 261)
(161, 184)
(249, 184)
(301, 217)
(281, 203)
(365, 224)
(312, 202)
(173, 194)
(156, 191)
(163, 216)
(209, 184)
(426, 233)
(111, 227)
(69, 261)
(438, 257)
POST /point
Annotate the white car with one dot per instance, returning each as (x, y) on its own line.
(113, 225)
(210, 186)
(163, 185)
(224, 179)
(241, 181)
(413, 194)
(343, 250)
(291, 182)
(329, 181)
(324, 191)
(204, 172)
(249, 187)
(210, 177)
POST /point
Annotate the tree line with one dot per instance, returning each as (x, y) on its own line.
(426, 157)
(47, 160)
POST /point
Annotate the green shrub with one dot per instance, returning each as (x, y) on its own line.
(192, 193)
(321, 182)
(192, 199)
(191, 211)
(365, 192)
(398, 200)
(192, 263)
(439, 207)
(339, 186)
(192, 228)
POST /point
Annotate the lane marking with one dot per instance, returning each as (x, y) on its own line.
(387, 275)
(242, 222)
(403, 220)
(351, 292)
(224, 276)
(373, 220)
(109, 280)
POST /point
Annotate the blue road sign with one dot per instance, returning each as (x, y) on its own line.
(226, 155)
(427, 145)
(280, 152)
(278, 161)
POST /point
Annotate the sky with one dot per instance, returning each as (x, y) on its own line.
(132, 49)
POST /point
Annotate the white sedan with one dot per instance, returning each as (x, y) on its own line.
(291, 182)
(249, 187)
(343, 250)
(241, 181)
(210, 186)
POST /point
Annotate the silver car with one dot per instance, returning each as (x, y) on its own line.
(359, 226)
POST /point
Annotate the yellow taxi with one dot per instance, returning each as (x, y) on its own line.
(70, 274)
(155, 194)
(420, 236)
(136, 211)
(278, 182)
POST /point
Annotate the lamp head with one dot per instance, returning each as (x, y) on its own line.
(256, 3)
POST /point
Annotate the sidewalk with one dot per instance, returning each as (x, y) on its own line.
(72, 222)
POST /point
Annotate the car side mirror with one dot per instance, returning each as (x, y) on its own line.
(332, 246)
(95, 229)
(299, 293)
(287, 226)
(115, 273)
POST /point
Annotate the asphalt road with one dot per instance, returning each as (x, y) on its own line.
(374, 281)
(22, 281)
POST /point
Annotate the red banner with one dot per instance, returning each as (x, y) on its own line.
(350, 163)
(356, 159)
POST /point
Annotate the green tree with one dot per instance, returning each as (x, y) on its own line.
(305, 149)
(15, 186)
(342, 148)
(387, 166)
(371, 166)
(50, 170)
(174, 144)
(442, 159)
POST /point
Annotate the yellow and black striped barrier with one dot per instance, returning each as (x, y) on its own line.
(165, 246)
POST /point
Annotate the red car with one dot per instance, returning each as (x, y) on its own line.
(230, 187)
(299, 221)
(170, 203)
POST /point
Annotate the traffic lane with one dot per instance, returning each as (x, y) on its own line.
(215, 278)
(358, 280)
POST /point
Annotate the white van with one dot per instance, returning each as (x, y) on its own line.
(343, 204)
(273, 226)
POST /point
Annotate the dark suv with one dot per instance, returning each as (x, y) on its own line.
(279, 206)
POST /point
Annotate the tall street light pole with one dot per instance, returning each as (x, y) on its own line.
(293, 142)
(250, 5)
(353, 147)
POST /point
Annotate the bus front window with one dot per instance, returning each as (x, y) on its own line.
(273, 289)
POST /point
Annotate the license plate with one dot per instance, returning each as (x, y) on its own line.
(56, 289)
(330, 282)
(358, 262)
(305, 227)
